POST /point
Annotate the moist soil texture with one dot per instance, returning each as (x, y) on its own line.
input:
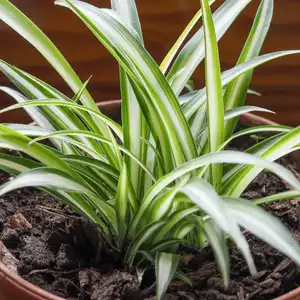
(55, 249)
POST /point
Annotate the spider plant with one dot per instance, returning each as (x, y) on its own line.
(170, 181)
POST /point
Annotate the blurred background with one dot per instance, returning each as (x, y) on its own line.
(162, 22)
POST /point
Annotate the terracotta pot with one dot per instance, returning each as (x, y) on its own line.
(13, 287)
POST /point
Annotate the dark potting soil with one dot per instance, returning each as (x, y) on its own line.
(60, 252)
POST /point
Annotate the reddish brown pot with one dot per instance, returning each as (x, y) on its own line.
(13, 287)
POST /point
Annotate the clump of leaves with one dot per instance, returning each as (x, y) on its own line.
(169, 182)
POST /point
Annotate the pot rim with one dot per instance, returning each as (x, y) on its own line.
(37, 293)
(24, 286)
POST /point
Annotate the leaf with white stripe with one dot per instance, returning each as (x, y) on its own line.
(218, 243)
(165, 268)
(214, 92)
(236, 91)
(229, 157)
(265, 226)
(45, 177)
(193, 52)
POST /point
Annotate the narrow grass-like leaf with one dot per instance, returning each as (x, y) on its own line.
(61, 134)
(165, 268)
(206, 198)
(193, 52)
(171, 54)
(20, 142)
(237, 111)
(174, 220)
(199, 98)
(214, 91)
(57, 117)
(230, 157)
(217, 241)
(203, 195)
(29, 31)
(46, 102)
(141, 68)
(265, 226)
(257, 129)
(237, 90)
(45, 177)
(278, 197)
(122, 204)
(16, 165)
(29, 130)
(134, 128)
(228, 115)
(144, 235)
(239, 182)
(78, 95)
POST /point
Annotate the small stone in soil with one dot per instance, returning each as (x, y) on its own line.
(84, 278)
(18, 221)
(10, 237)
(36, 253)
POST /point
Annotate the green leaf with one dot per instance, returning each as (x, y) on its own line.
(80, 92)
(165, 268)
(172, 52)
(33, 112)
(134, 128)
(144, 235)
(230, 157)
(141, 68)
(203, 195)
(240, 180)
(57, 117)
(265, 226)
(193, 52)
(278, 197)
(15, 164)
(28, 130)
(165, 244)
(122, 204)
(45, 177)
(256, 129)
(29, 31)
(228, 115)
(20, 142)
(47, 102)
(199, 98)
(206, 198)
(237, 111)
(61, 181)
(236, 91)
(128, 12)
(218, 242)
(173, 220)
(213, 91)
(63, 133)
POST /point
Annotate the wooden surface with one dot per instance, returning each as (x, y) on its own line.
(162, 21)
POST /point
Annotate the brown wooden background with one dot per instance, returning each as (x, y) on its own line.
(162, 21)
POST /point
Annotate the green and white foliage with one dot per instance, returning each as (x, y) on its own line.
(164, 177)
